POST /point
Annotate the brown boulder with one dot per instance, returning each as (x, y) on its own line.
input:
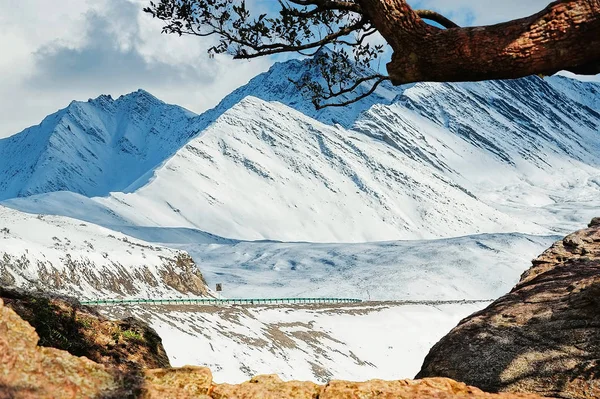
(267, 387)
(542, 337)
(63, 323)
(272, 387)
(430, 388)
(180, 383)
(29, 371)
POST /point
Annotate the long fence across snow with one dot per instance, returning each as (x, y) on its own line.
(217, 301)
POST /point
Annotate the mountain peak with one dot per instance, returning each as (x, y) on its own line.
(140, 93)
(102, 97)
(277, 85)
(93, 147)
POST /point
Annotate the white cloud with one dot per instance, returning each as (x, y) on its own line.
(81, 49)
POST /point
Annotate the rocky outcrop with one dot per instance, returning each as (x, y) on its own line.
(542, 337)
(271, 387)
(183, 275)
(63, 323)
(31, 371)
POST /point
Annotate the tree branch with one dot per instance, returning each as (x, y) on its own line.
(356, 84)
(436, 17)
(276, 48)
(563, 36)
(355, 99)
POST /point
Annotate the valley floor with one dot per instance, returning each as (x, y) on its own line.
(476, 267)
(386, 340)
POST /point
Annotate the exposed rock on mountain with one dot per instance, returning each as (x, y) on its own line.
(31, 371)
(66, 256)
(542, 337)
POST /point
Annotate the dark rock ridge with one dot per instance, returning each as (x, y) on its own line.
(542, 337)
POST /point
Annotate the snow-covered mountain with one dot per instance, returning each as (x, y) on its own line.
(265, 171)
(277, 85)
(93, 147)
(66, 256)
(442, 160)
(429, 160)
(105, 145)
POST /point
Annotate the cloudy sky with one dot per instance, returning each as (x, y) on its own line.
(57, 51)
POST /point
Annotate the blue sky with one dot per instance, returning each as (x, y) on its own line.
(55, 52)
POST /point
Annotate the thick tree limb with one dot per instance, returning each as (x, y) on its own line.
(563, 36)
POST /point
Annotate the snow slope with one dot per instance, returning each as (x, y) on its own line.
(520, 146)
(472, 267)
(428, 160)
(93, 147)
(265, 171)
(66, 256)
(381, 340)
(586, 93)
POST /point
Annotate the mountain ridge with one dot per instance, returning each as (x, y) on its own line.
(66, 256)
(460, 158)
(88, 147)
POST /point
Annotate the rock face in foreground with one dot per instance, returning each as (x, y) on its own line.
(62, 323)
(30, 371)
(272, 387)
(542, 337)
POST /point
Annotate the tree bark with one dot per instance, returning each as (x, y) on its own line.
(563, 36)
